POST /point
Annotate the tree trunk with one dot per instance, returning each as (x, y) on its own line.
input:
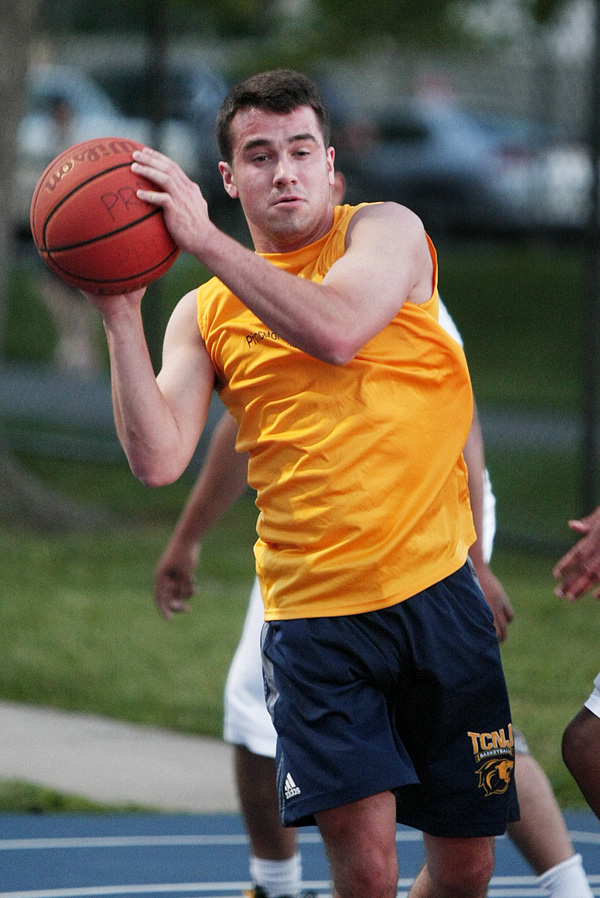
(18, 17)
(27, 503)
(23, 499)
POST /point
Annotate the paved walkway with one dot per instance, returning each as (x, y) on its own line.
(115, 763)
(70, 414)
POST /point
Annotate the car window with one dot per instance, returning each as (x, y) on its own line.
(50, 86)
(403, 130)
(187, 93)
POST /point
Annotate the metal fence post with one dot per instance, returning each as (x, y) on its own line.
(591, 309)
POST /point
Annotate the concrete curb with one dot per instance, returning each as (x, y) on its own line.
(116, 763)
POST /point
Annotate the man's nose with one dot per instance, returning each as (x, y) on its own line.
(284, 172)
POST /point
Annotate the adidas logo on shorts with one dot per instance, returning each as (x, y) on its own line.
(290, 787)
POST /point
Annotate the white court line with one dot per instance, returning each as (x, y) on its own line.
(166, 888)
(202, 887)
(81, 842)
(76, 842)
(199, 888)
(590, 838)
(500, 887)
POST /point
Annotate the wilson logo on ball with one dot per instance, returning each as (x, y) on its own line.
(89, 151)
(89, 225)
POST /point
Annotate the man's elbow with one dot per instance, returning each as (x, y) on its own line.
(154, 480)
(153, 474)
(337, 350)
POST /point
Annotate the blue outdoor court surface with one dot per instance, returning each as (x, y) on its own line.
(204, 856)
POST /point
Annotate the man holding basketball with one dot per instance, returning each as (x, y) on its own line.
(381, 661)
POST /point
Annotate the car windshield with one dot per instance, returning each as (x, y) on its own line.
(49, 86)
(186, 92)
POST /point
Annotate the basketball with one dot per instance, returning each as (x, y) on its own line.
(89, 226)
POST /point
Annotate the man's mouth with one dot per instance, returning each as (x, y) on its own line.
(287, 199)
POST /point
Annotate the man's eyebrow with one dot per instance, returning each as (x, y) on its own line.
(263, 141)
(306, 136)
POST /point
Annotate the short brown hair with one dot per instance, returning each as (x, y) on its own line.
(280, 91)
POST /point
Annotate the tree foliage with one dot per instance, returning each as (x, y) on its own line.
(335, 25)
(347, 24)
(543, 11)
(22, 498)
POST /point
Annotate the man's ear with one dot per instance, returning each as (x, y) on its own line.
(228, 179)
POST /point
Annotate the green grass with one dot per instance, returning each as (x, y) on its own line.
(19, 797)
(549, 660)
(536, 492)
(95, 641)
(81, 629)
(519, 309)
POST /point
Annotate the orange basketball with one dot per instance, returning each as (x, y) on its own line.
(89, 226)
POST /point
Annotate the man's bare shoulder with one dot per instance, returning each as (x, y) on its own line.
(386, 228)
(394, 240)
(388, 214)
(187, 305)
(184, 316)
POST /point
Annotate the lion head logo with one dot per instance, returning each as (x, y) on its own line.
(494, 775)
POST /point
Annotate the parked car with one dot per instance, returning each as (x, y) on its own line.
(459, 172)
(553, 189)
(561, 183)
(65, 106)
(192, 96)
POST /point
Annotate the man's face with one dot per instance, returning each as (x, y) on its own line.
(282, 174)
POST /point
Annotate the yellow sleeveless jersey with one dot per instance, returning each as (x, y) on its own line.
(360, 480)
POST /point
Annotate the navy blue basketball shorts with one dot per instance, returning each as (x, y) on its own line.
(410, 698)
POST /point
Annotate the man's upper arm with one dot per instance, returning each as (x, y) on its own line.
(387, 261)
(187, 376)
